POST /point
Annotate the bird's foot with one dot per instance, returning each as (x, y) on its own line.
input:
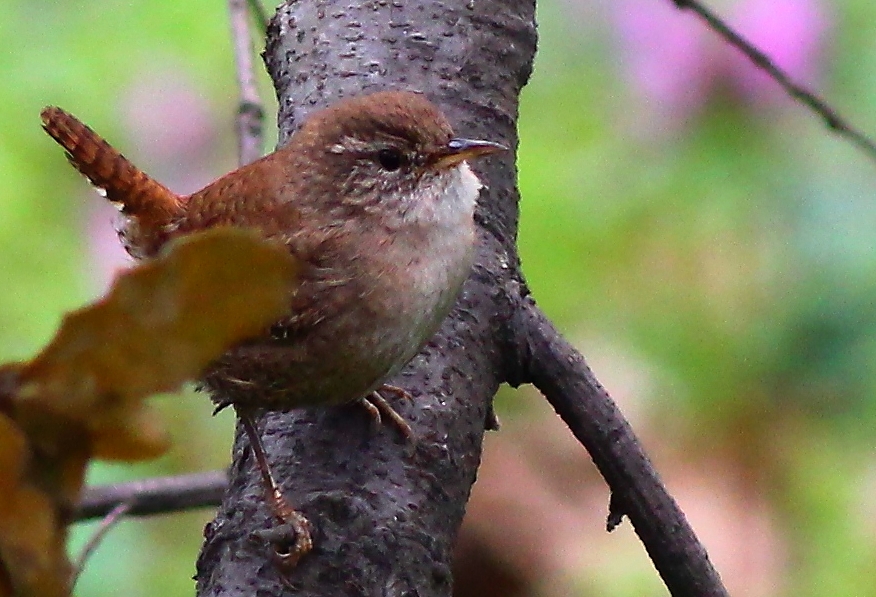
(379, 409)
(291, 539)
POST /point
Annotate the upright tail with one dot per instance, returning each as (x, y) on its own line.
(152, 205)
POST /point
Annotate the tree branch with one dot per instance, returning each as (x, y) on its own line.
(158, 495)
(821, 108)
(112, 518)
(560, 372)
(250, 114)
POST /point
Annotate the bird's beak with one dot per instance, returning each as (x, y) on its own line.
(458, 150)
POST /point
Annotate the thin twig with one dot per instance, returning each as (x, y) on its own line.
(158, 495)
(250, 112)
(108, 522)
(828, 114)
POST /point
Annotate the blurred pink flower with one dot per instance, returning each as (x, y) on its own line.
(107, 258)
(673, 60)
(172, 136)
(793, 33)
(171, 122)
(664, 53)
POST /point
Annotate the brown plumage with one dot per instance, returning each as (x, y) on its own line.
(374, 198)
(371, 195)
(149, 203)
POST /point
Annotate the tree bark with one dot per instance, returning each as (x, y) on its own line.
(385, 512)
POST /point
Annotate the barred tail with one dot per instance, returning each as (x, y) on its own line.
(152, 204)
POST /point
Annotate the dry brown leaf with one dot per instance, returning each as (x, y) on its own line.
(161, 324)
(31, 538)
(13, 454)
(32, 542)
(82, 397)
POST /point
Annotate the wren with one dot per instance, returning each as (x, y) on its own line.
(375, 199)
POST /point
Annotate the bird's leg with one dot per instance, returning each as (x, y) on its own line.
(281, 509)
(379, 409)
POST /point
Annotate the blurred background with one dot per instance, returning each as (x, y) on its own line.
(705, 242)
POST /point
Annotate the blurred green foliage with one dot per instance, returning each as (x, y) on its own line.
(734, 253)
(86, 56)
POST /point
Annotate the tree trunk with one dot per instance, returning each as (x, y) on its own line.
(386, 512)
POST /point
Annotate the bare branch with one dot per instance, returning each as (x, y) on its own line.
(158, 495)
(831, 118)
(250, 138)
(560, 372)
(109, 521)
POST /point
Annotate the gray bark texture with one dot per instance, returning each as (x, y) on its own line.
(385, 512)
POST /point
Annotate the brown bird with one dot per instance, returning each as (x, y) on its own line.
(374, 197)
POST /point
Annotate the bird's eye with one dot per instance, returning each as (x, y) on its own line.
(390, 159)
